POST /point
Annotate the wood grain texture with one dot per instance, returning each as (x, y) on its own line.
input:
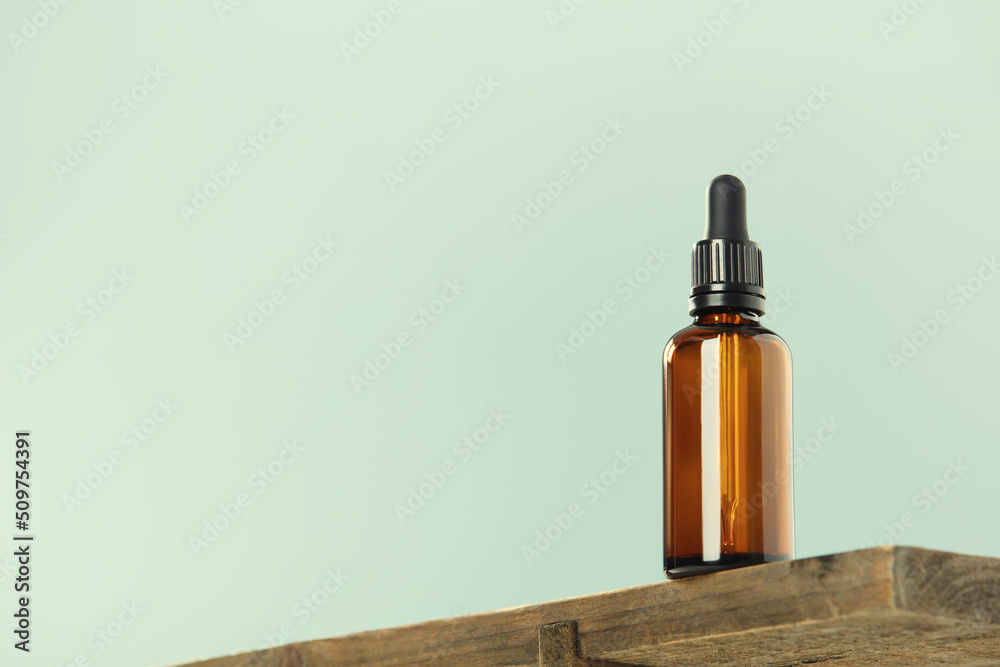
(559, 646)
(890, 605)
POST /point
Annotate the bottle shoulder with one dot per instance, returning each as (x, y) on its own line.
(694, 335)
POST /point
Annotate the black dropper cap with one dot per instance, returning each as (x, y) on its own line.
(726, 267)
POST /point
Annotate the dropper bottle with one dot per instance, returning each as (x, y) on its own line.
(727, 409)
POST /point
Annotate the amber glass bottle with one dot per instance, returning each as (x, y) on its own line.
(727, 409)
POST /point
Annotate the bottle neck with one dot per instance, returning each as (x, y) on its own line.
(725, 315)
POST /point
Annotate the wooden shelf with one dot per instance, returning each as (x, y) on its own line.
(889, 605)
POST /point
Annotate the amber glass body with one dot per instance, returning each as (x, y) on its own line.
(727, 445)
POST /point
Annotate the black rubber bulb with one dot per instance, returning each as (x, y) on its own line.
(727, 209)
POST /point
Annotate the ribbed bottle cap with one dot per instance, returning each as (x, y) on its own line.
(726, 266)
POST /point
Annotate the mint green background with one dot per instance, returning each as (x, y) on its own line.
(496, 345)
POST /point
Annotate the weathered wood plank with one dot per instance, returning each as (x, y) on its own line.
(894, 605)
(947, 584)
(891, 637)
(558, 646)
